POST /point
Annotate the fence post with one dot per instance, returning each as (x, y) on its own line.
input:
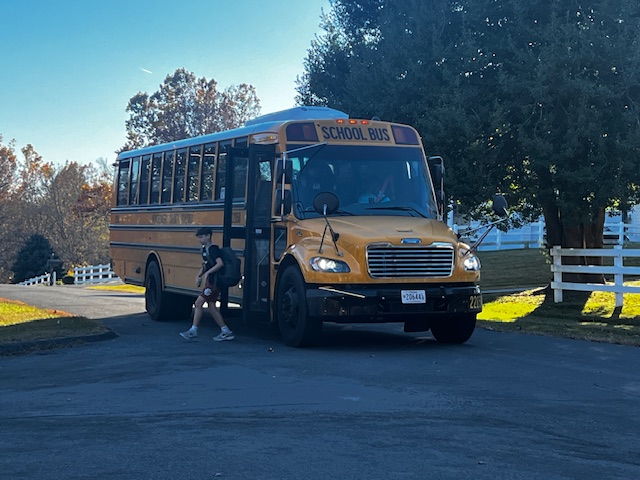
(540, 234)
(557, 276)
(618, 276)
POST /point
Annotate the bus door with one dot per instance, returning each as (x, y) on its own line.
(258, 230)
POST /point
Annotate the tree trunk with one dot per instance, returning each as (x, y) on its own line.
(576, 235)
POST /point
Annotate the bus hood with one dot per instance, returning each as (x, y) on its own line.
(373, 229)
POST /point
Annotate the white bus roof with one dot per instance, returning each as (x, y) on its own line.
(259, 124)
(298, 113)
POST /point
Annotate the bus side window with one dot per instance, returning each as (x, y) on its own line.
(135, 171)
(206, 179)
(178, 175)
(193, 173)
(156, 166)
(123, 183)
(144, 180)
(221, 173)
(240, 178)
(167, 175)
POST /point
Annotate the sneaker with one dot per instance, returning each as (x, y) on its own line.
(224, 336)
(189, 334)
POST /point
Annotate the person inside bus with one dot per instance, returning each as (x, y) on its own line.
(211, 263)
(375, 191)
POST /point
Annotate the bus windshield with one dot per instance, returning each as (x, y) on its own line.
(368, 180)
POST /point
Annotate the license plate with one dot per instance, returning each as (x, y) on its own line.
(413, 296)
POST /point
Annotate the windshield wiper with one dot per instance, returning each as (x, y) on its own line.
(404, 209)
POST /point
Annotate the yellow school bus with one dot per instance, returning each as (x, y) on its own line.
(335, 219)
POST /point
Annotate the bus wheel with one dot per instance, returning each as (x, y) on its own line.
(296, 328)
(454, 328)
(155, 300)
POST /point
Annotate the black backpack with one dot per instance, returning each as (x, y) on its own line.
(230, 275)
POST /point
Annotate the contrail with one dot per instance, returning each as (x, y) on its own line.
(145, 70)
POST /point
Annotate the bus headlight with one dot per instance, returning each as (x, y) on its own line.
(471, 263)
(322, 264)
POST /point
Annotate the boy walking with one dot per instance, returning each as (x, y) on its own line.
(211, 263)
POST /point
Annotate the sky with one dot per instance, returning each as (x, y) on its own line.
(69, 67)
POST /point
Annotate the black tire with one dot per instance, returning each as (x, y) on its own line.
(156, 301)
(296, 328)
(454, 328)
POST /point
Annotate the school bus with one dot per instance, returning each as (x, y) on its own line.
(335, 219)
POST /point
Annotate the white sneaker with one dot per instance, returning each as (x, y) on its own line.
(224, 336)
(189, 334)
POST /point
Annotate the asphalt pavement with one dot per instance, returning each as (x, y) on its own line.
(371, 402)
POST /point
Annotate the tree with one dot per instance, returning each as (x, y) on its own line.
(67, 205)
(534, 98)
(32, 258)
(186, 106)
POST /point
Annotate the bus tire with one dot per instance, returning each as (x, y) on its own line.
(456, 328)
(156, 301)
(296, 328)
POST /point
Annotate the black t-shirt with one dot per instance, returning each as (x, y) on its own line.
(210, 260)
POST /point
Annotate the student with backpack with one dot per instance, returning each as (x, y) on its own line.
(212, 263)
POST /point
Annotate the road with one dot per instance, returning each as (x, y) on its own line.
(369, 403)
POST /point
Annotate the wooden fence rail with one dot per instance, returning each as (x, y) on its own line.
(618, 270)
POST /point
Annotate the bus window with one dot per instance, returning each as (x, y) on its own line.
(167, 175)
(123, 183)
(206, 179)
(135, 170)
(221, 175)
(193, 173)
(156, 166)
(178, 175)
(240, 178)
(144, 180)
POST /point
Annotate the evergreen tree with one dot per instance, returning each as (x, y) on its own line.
(32, 259)
(536, 98)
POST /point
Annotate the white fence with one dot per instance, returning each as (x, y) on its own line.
(40, 280)
(532, 235)
(81, 275)
(93, 274)
(618, 270)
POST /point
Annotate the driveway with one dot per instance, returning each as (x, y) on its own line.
(369, 403)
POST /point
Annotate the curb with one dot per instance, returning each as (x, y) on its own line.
(21, 348)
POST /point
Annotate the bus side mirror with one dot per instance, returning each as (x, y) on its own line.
(280, 202)
(436, 166)
(288, 171)
(500, 206)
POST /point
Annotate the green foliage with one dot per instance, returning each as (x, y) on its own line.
(186, 106)
(534, 98)
(32, 258)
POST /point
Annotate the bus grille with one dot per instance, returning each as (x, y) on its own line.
(394, 262)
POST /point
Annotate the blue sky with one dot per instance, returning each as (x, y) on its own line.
(69, 67)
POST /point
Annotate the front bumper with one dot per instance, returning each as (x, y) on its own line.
(379, 304)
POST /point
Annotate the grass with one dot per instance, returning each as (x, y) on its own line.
(20, 322)
(119, 288)
(584, 315)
